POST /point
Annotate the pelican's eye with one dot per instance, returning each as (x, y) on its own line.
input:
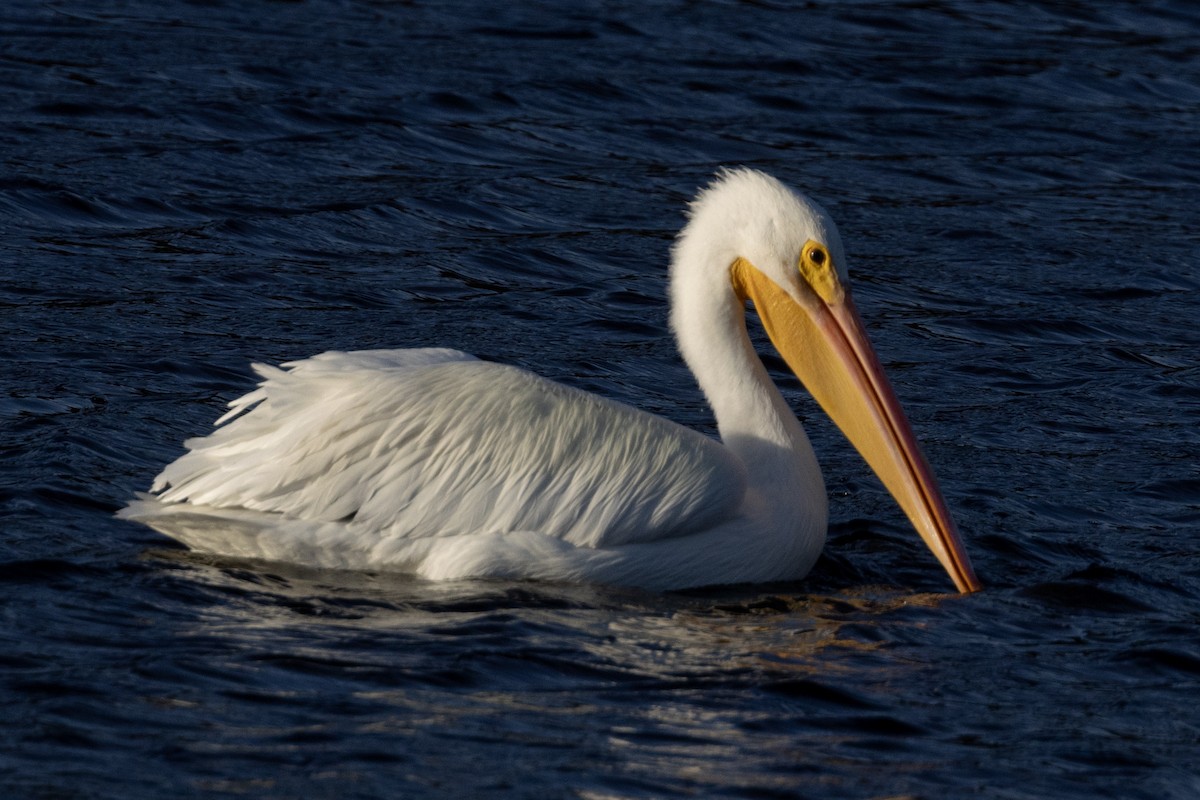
(814, 258)
(816, 268)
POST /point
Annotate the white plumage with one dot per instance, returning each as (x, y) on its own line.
(433, 462)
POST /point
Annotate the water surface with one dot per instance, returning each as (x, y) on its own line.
(191, 186)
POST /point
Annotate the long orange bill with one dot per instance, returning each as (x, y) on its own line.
(823, 340)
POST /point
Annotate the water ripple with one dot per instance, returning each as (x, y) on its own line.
(189, 187)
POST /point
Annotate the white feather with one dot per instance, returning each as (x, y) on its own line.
(420, 448)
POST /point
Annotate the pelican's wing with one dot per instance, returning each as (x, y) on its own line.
(420, 443)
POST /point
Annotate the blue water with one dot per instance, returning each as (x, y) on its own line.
(191, 186)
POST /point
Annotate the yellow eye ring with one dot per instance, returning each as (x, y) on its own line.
(817, 270)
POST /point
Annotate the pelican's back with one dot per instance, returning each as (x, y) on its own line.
(426, 443)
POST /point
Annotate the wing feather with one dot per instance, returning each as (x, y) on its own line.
(427, 443)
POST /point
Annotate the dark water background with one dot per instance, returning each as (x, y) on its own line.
(190, 186)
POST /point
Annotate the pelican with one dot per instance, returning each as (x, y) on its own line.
(433, 462)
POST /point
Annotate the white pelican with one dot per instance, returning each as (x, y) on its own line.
(433, 462)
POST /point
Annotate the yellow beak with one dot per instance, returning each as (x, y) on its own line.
(823, 340)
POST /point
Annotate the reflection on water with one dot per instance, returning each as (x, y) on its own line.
(690, 688)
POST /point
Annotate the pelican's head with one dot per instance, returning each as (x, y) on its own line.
(756, 240)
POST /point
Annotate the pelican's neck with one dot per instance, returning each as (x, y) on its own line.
(754, 421)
